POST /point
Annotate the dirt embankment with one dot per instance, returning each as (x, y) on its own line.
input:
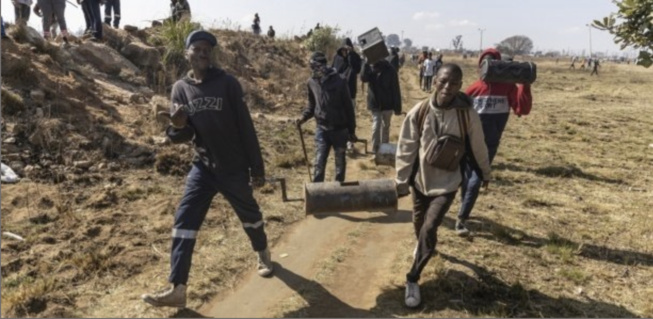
(99, 180)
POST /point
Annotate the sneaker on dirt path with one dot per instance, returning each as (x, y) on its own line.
(413, 298)
(461, 228)
(265, 266)
(172, 297)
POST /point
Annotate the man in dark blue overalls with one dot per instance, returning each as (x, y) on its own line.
(208, 109)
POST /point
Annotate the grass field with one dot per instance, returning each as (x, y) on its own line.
(565, 228)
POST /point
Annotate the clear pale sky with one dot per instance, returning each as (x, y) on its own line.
(551, 24)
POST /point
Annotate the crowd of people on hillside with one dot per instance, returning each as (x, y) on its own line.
(256, 27)
(53, 16)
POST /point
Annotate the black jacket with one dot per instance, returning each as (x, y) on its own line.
(394, 61)
(349, 67)
(383, 92)
(219, 124)
(329, 102)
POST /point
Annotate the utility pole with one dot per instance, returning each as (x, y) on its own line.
(402, 36)
(481, 45)
(589, 26)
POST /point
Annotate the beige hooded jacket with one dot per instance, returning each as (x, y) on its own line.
(429, 180)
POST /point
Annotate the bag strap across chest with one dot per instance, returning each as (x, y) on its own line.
(462, 115)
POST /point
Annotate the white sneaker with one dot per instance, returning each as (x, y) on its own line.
(265, 266)
(413, 297)
(172, 297)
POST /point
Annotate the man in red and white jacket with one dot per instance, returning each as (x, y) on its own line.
(493, 102)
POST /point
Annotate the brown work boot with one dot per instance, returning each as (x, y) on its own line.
(172, 297)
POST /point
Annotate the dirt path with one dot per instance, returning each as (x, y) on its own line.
(328, 265)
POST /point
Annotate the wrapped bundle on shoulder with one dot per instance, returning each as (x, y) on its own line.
(495, 71)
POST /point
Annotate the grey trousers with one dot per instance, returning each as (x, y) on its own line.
(56, 8)
(380, 128)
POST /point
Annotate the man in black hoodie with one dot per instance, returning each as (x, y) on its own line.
(348, 63)
(329, 102)
(208, 109)
(383, 98)
(179, 9)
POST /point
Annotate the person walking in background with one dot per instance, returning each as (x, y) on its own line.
(108, 7)
(51, 10)
(420, 67)
(446, 112)
(208, 109)
(95, 15)
(383, 98)
(348, 64)
(428, 72)
(589, 62)
(22, 10)
(329, 102)
(180, 9)
(256, 25)
(493, 102)
(84, 4)
(595, 69)
(271, 32)
(437, 64)
(394, 58)
(573, 63)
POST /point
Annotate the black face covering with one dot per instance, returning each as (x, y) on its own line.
(318, 69)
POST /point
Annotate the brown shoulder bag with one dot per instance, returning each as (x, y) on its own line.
(449, 149)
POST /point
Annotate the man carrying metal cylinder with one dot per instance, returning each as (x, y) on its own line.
(434, 137)
(330, 103)
(208, 109)
(493, 101)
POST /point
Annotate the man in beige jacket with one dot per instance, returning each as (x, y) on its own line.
(434, 189)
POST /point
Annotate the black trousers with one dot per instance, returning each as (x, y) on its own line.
(428, 213)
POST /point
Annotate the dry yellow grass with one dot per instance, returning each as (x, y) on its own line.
(565, 229)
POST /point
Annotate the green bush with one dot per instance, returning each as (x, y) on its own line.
(324, 40)
(173, 35)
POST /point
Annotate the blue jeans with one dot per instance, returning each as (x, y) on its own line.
(493, 126)
(201, 186)
(324, 141)
(115, 5)
(3, 28)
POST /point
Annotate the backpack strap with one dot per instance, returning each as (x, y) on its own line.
(421, 116)
(463, 123)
